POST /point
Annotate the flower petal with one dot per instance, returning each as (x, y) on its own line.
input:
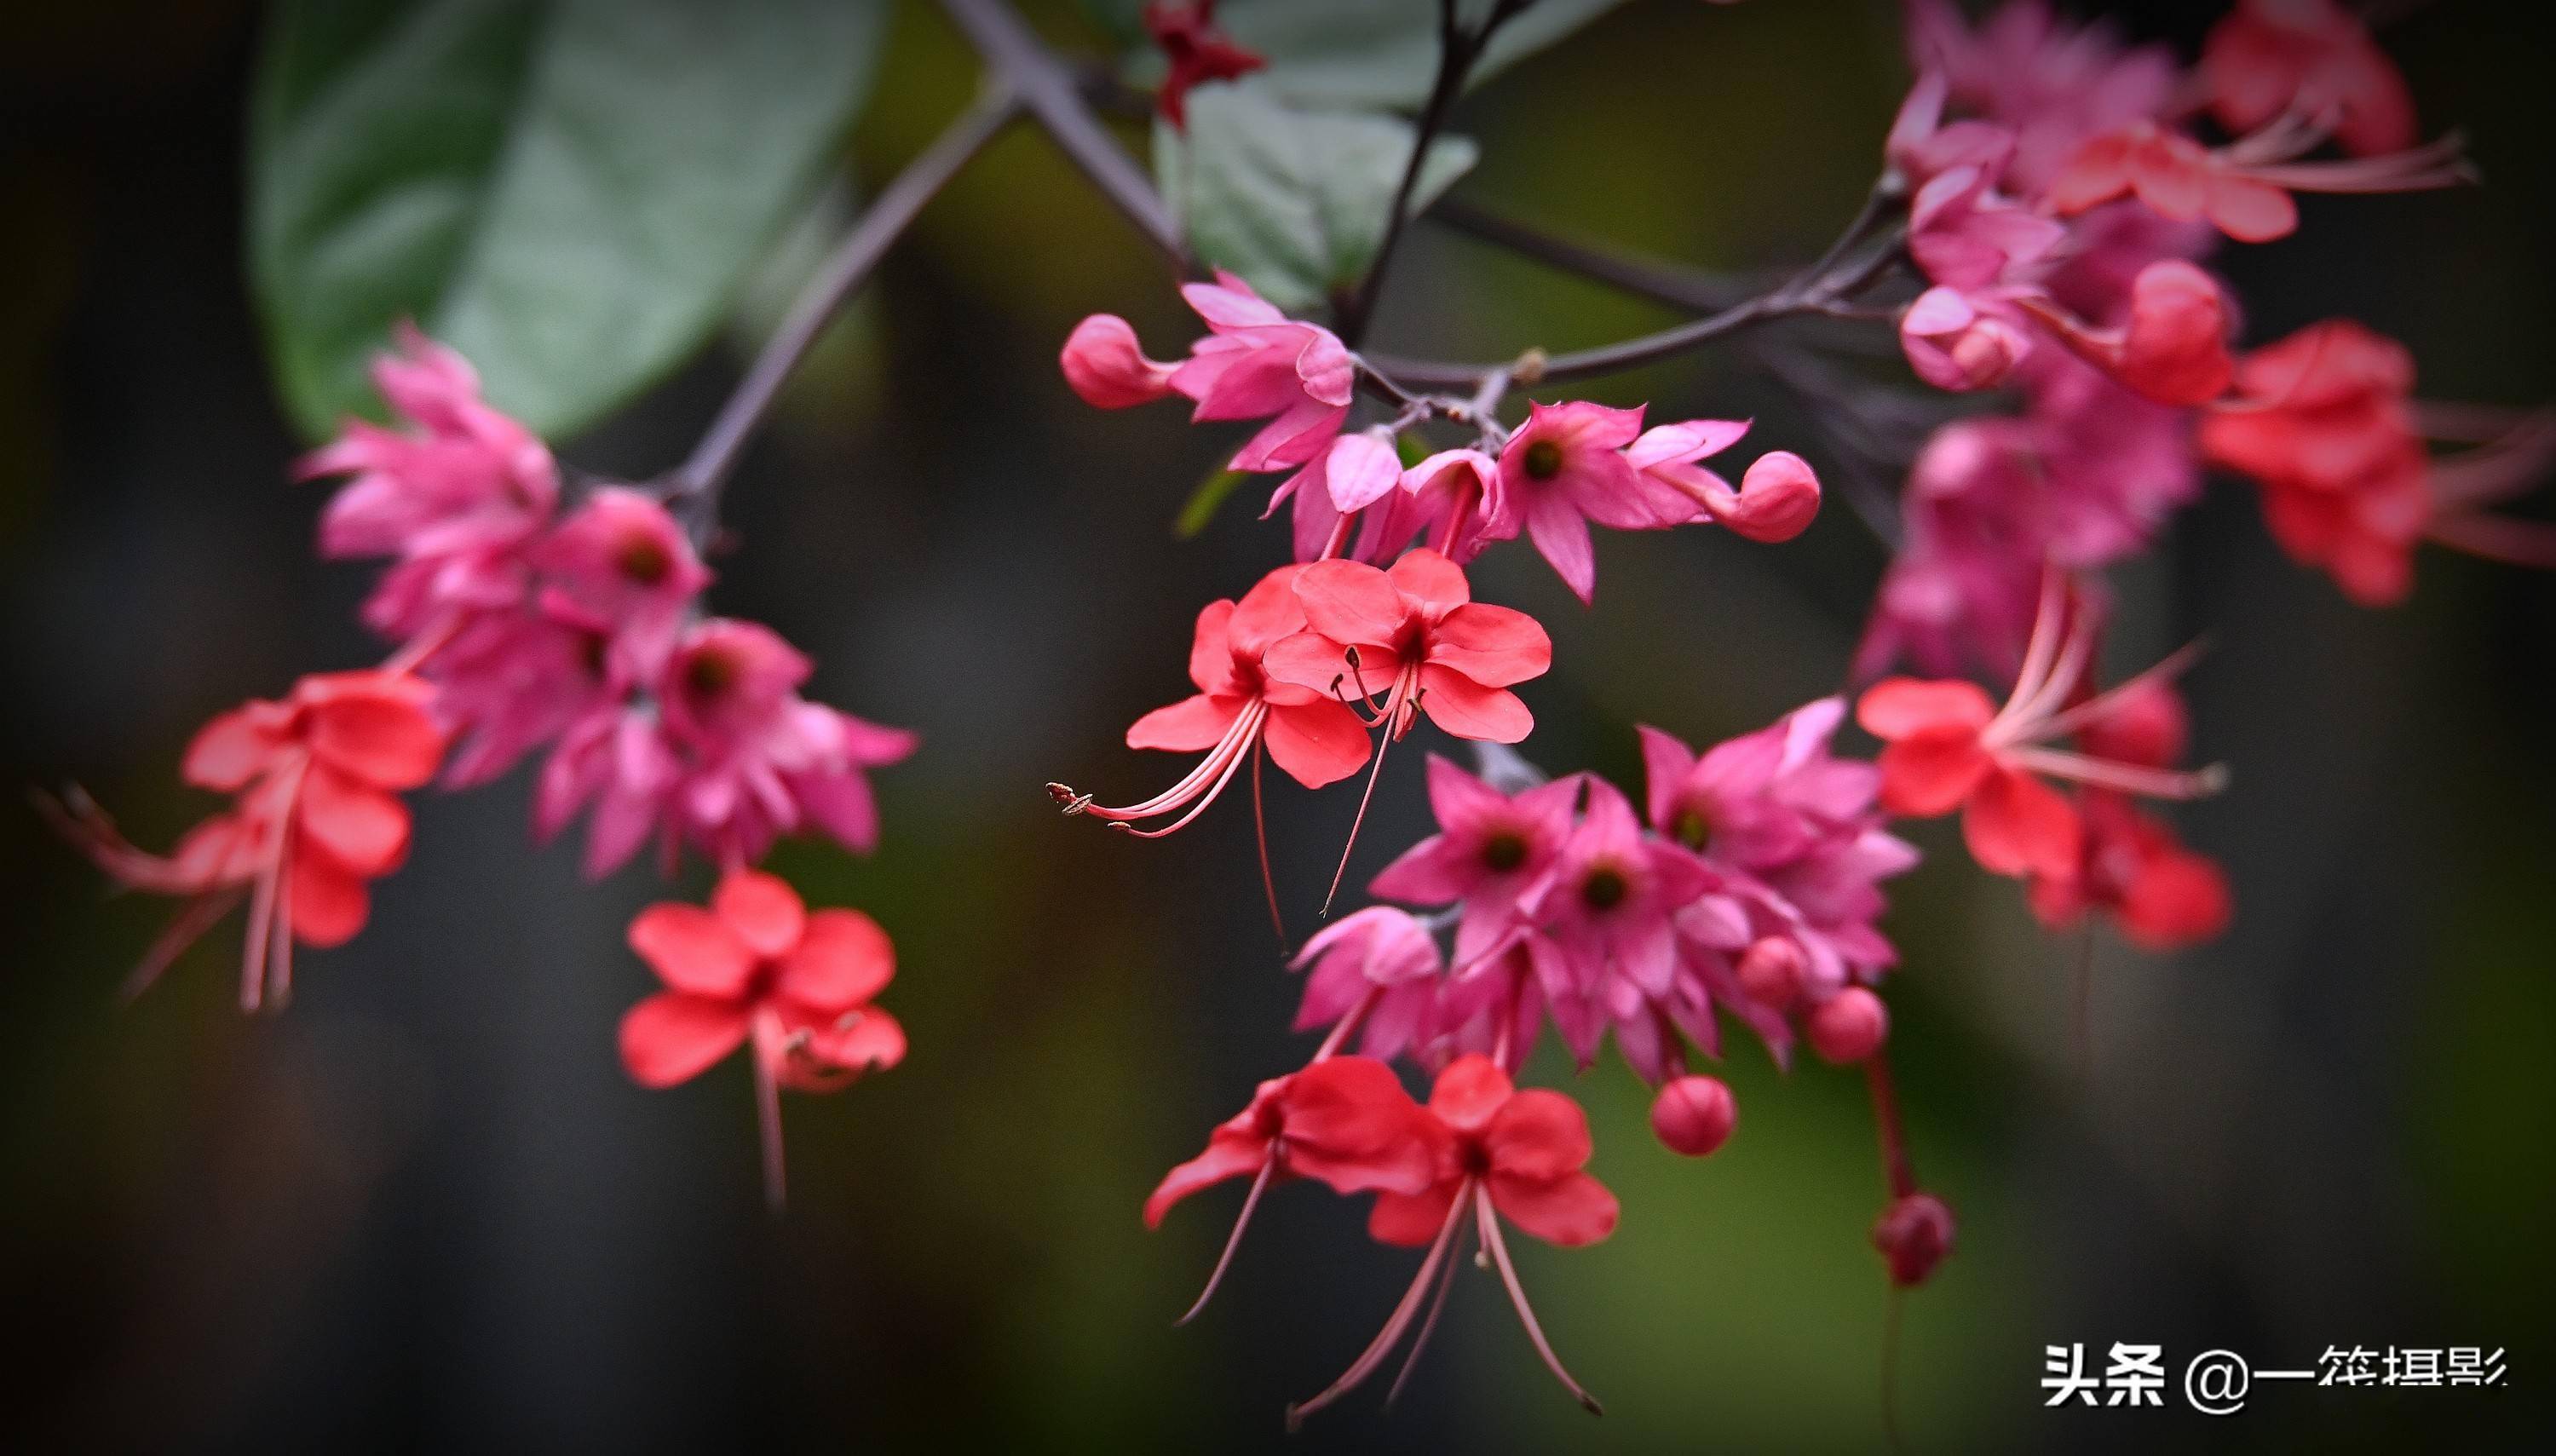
(1894, 708)
(1538, 1134)
(842, 960)
(1316, 743)
(2019, 825)
(330, 903)
(691, 950)
(1186, 727)
(1569, 1213)
(672, 1037)
(1495, 646)
(763, 910)
(1469, 710)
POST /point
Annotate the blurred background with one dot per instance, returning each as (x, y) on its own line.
(426, 1209)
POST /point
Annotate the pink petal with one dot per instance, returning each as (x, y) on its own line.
(1469, 710)
(672, 1037)
(691, 950)
(763, 910)
(842, 961)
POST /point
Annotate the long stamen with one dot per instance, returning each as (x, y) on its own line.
(2164, 669)
(261, 921)
(1428, 1327)
(1240, 735)
(1233, 1240)
(2499, 538)
(1232, 767)
(1339, 1033)
(1260, 835)
(279, 962)
(767, 1109)
(200, 915)
(2153, 783)
(1368, 795)
(2077, 648)
(2043, 644)
(1400, 1320)
(1491, 1226)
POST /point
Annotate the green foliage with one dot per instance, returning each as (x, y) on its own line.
(1205, 501)
(570, 192)
(1294, 200)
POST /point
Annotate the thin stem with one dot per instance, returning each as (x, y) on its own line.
(1885, 1119)
(1012, 50)
(694, 489)
(1233, 1240)
(1661, 283)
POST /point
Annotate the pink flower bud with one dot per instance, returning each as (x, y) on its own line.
(1777, 499)
(1105, 366)
(1771, 972)
(1953, 346)
(2176, 350)
(1693, 1116)
(1914, 1234)
(1848, 1026)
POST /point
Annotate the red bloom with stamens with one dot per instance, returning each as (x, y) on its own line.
(2243, 189)
(317, 816)
(1410, 640)
(759, 964)
(2310, 56)
(1950, 748)
(1503, 1154)
(1344, 1122)
(2162, 895)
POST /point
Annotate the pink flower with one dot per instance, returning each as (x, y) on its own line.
(1963, 233)
(2312, 58)
(1764, 800)
(2173, 349)
(1503, 1154)
(624, 560)
(461, 467)
(1607, 901)
(1379, 967)
(1240, 710)
(1778, 495)
(1455, 498)
(1254, 363)
(2051, 84)
(1353, 474)
(512, 681)
(1565, 467)
(1414, 638)
(1954, 345)
(759, 964)
(1490, 849)
(316, 816)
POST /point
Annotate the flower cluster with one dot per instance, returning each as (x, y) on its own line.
(526, 615)
(2060, 194)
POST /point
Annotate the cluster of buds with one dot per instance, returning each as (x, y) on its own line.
(527, 615)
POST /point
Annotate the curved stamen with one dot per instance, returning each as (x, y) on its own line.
(2153, 783)
(1232, 767)
(1428, 1327)
(2101, 704)
(767, 1107)
(1240, 735)
(1260, 836)
(1234, 1240)
(200, 915)
(1491, 1226)
(1401, 686)
(1400, 1320)
(2043, 644)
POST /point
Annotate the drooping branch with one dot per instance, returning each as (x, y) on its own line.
(693, 491)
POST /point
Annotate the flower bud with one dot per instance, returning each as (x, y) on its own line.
(1105, 366)
(1914, 1235)
(1693, 1116)
(2176, 350)
(1777, 499)
(1953, 346)
(1848, 1026)
(1771, 972)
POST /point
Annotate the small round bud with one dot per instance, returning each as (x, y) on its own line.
(1692, 1116)
(1771, 972)
(1914, 1235)
(1848, 1026)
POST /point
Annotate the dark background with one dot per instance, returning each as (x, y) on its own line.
(426, 1209)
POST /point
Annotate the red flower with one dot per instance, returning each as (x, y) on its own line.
(1503, 1154)
(1950, 748)
(1414, 638)
(2173, 347)
(2310, 56)
(2163, 896)
(759, 964)
(1197, 50)
(316, 818)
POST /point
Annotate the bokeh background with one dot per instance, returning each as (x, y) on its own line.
(426, 1209)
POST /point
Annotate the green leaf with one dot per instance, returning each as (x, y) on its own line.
(1204, 502)
(1378, 53)
(1293, 200)
(569, 192)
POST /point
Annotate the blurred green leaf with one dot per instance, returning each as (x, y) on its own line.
(1369, 54)
(1205, 501)
(570, 192)
(1293, 200)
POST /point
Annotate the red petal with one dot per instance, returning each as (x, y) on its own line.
(2251, 211)
(1186, 727)
(1435, 583)
(2177, 899)
(388, 742)
(1470, 1092)
(2019, 825)
(1210, 658)
(1347, 1123)
(1894, 708)
(672, 1037)
(1351, 602)
(1317, 744)
(1230, 1155)
(841, 1047)
(235, 748)
(363, 829)
(1469, 710)
(1495, 646)
(763, 910)
(1931, 773)
(843, 960)
(329, 904)
(1569, 1212)
(1266, 612)
(1411, 1220)
(1538, 1134)
(691, 950)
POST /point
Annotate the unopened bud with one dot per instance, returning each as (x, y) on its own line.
(1848, 1026)
(1692, 1116)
